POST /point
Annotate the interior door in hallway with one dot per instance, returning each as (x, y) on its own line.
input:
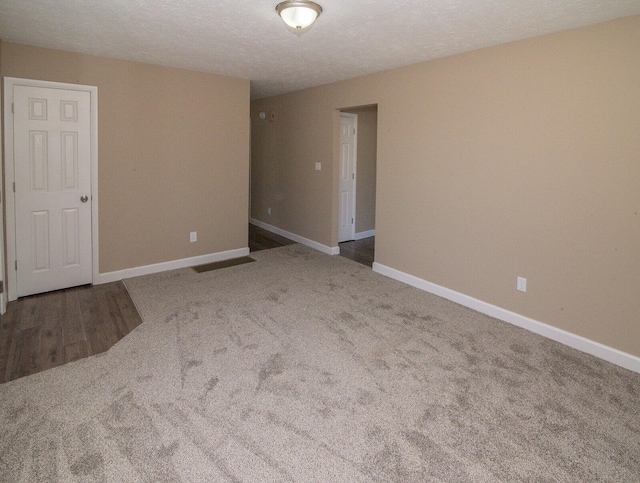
(347, 188)
(52, 166)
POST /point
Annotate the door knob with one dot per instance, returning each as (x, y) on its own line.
(84, 198)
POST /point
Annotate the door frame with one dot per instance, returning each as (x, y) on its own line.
(3, 292)
(355, 172)
(9, 174)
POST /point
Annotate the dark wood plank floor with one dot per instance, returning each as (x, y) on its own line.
(360, 251)
(47, 330)
(261, 239)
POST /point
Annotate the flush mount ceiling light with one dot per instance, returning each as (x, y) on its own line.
(299, 14)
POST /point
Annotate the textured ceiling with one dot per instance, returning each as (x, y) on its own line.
(246, 38)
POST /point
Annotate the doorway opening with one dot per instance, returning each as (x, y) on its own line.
(357, 181)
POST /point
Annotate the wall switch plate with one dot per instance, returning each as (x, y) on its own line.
(521, 284)
(318, 166)
(193, 236)
(268, 211)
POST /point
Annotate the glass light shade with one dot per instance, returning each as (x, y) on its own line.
(299, 14)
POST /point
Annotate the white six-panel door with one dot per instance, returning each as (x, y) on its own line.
(347, 188)
(52, 169)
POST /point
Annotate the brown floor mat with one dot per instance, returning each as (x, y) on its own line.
(222, 264)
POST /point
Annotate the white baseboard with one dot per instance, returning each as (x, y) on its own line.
(172, 265)
(365, 234)
(297, 238)
(615, 356)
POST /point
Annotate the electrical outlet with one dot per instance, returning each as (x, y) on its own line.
(268, 211)
(193, 236)
(318, 166)
(521, 284)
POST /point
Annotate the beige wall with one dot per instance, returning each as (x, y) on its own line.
(283, 175)
(366, 156)
(517, 160)
(173, 154)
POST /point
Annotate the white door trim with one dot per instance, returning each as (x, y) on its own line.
(9, 173)
(3, 293)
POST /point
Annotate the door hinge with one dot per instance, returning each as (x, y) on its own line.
(12, 108)
(353, 175)
(352, 221)
(16, 265)
(14, 186)
(354, 131)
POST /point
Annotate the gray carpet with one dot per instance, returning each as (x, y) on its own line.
(306, 367)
